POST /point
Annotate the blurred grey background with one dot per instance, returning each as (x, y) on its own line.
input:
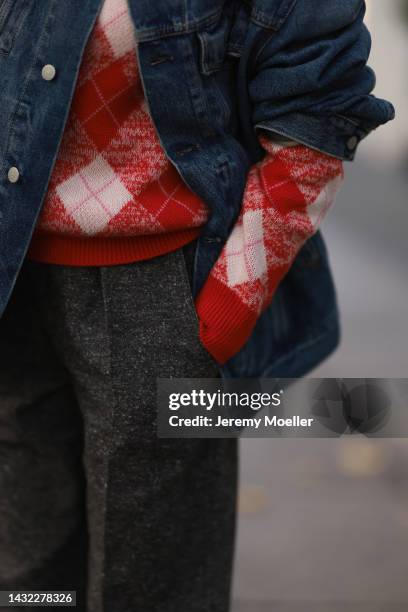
(323, 524)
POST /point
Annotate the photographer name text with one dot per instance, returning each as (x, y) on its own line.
(252, 422)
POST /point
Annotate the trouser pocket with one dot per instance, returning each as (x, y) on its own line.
(186, 261)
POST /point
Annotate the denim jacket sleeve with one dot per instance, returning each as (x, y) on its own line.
(311, 81)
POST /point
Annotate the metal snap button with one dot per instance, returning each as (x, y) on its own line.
(352, 143)
(13, 174)
(48, 72)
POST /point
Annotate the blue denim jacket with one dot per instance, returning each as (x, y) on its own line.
(214, 73)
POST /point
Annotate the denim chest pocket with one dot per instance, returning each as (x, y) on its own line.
(12, 14)
(221, 43)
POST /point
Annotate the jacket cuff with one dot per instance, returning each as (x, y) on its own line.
(336, 135)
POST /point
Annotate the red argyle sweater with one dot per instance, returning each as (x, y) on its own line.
(114, 197)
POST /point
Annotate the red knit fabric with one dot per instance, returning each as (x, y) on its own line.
(114, 196)
(287, 194)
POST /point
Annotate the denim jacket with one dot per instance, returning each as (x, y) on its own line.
(214, 72)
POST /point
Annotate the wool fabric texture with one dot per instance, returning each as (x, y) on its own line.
(114, 197)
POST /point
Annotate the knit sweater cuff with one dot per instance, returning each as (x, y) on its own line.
(225, 322)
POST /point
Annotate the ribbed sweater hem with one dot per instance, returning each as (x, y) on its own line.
(105, 251)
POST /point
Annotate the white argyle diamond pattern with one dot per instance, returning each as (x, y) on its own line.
(245, 250)
(117, 26)
(93, 196)
(317, 209)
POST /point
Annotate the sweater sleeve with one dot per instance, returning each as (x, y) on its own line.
(286, 197)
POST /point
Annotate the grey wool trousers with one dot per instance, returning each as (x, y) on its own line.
(90, 498)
